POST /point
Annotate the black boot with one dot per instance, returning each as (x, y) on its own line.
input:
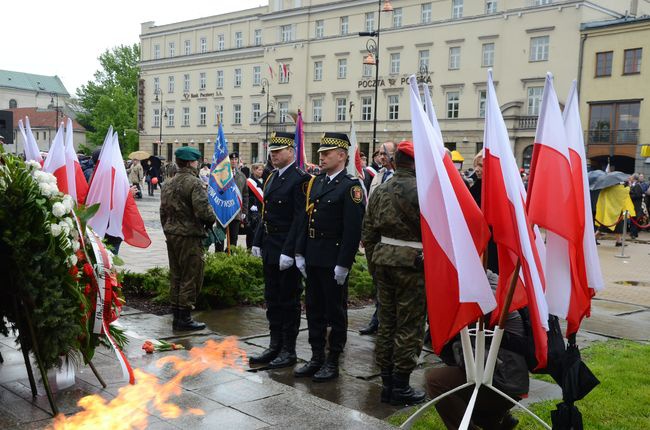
(184, 321)
(402, 393)
(387, 384)
(175, 321)
(312, 366)
(270, 353)
(369, 329)
(329, 370)
(286, 357)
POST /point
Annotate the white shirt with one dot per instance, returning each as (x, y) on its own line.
(284, 169)
(331, 177)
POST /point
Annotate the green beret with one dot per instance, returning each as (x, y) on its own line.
(188, 154)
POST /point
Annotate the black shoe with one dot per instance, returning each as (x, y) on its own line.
(387, 385)
(327, 372)
(402, 393)
(184, 322)
(311, 367)
(370, 329)
(265, 357)
(619, 244)
(284, 359)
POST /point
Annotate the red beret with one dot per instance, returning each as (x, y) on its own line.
(406, 146)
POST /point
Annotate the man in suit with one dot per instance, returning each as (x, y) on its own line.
(325, 252)
(275, 241)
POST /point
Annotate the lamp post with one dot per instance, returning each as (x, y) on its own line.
(372, 47)
(158, 92)
(56, 108)
(266, 90)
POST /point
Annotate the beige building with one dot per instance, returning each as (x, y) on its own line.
(614, 93)
(308, 55)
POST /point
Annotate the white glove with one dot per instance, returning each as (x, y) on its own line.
(285, 262)
(242, 217)
(256, 251)
(340, 273)
(253, 208)
(300, 264)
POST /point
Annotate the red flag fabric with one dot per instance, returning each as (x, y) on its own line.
(253, 188)
(77, 184)
(55, 161)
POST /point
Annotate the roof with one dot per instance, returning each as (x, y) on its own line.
(615, 22)
(42, 118)
(31, 82)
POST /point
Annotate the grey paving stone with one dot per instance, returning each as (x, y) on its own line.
(222, 418)
(239, 391)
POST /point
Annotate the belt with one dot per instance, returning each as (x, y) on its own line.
(400, 242)
(313, 234)
(270, 229)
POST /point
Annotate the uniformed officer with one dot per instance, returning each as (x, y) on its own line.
(275, 241)
(185, 214)
(326, 251)
(393, 242)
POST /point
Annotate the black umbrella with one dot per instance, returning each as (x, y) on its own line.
(609, 180)
(594, 175)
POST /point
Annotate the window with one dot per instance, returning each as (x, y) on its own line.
(219, 79)
(257, 75)
(170, 117)
(170, 84)
(344, 26)
(239, 39)
(453, 104)
(156, 118)
(186, 82)
(188, 47)
(283, 109)
(203, 44)
(614, 123)
(482, 97)
(491, 6)
(539, 48)
(13, 104)
(156, 84)
(342, 68)
(457, 9)
(221, 42)
(423, 60)
(237, 78)
(632, 61)
(425, 13)
(341, 109)
(487, 59)
(317, 110)
(318, 70)
(367, 70)
(366, 108)
(257, 112)
(186, 117)
(284, 73)
(156, 51)
(257, 37)
(393, 107)
(394, 63)
(454, 58)
(219, 109)
(370, 21)
(255, 150)
(604, 63)
(541, 2)
(203, 113)
(172, 49)
(236, 113)
(203, 80)
(286, 33)
(450, 146)
(319, 29)
(397, 17)
(534, 100)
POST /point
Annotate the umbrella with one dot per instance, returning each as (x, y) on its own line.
(155, 162)
(609, 180)
(594, 175)
(139, 155)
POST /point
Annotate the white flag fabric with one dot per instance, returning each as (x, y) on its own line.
(55, 161)
(30, 148)
(120, 191)
(101, 186)
(70, 158)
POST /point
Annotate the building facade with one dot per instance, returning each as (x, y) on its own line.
(43, 124)
(308, 56)
(615, 92)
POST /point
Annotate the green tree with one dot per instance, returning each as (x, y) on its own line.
(111, 99)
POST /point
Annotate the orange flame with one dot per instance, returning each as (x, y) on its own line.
(129, 409)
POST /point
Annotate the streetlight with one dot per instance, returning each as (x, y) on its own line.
(372, 47)
(158, 92)
(266, 90)
(56, 122)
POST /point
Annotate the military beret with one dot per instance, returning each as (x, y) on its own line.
(188, 154)
(406, 147)
(334, 140)
(281, 140)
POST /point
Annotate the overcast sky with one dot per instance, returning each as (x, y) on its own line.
(66, 37)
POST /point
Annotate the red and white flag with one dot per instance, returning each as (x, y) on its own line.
(253, 188)
(30, 148)
(270, 70)
(101, 190)
(55, 161)
(77, 184)
(503, 200)
(454, 234)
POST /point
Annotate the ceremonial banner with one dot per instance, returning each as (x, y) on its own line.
(223, 193)
(300, 142)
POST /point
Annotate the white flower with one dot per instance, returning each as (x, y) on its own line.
(58, 210)
(33, 165)
(41, 177)
(64, 227)
(55, 229)
(70, 223)
(72, 260)
(51, 179)
(75, 245)
(68, 202)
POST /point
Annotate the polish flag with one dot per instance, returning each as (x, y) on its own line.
(431, 113)
(503, 200)
(101, 190)
(587, 256)
(454, 234)
(270, 70)
(31, 147)
(77, 184)
(55, 161)
(355, 168)
(285, 71)
(253, 188)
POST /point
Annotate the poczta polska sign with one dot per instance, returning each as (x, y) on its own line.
(392, 82)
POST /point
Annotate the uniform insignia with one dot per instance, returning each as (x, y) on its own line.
(305, 187)
(356, 193)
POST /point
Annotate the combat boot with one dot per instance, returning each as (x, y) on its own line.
(270, 353)
(184, 321)
(312, 366)
(387, 384)
(329, 370)
(402, 393)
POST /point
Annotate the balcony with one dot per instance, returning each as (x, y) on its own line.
(527, 123)
(612, 142)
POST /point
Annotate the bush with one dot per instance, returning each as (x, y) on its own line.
(360, 283)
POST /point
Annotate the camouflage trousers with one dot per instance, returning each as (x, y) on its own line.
(402, 313)
(186, 262)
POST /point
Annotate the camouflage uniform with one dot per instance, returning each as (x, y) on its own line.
(185, 214)
(393, 212)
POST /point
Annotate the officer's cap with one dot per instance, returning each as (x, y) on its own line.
(233, 155)
(334, 140)
(281, 140)
(188, 154)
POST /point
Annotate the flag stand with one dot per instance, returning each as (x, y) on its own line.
(477, 370)
(228, 239)
(622, 255)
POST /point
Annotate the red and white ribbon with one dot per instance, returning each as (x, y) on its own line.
(252, 186)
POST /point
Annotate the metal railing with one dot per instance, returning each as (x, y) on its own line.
(611, 137)
(527, 122)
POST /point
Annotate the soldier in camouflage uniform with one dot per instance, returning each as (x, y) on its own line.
(393, 241)
(185, 214)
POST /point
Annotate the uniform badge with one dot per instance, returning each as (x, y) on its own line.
(356, 193)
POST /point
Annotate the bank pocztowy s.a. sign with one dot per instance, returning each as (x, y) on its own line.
(391, 82)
